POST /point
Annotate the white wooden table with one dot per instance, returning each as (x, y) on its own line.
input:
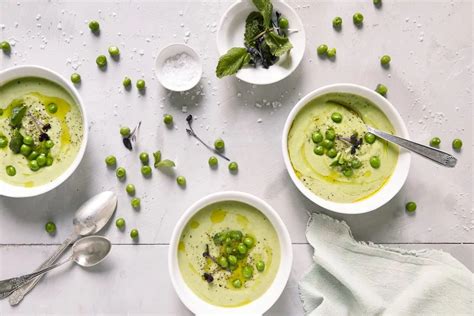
(429, 81)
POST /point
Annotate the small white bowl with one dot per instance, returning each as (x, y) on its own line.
(231, 34)
(170, 51)
(41, 72)
(399, 176)
(261, 304)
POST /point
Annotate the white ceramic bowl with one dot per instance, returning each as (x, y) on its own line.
(231, 34)
(261, 304)
(396, 181)
(170, 51)
(37, 71)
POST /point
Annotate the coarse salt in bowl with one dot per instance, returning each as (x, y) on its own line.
(178, 67)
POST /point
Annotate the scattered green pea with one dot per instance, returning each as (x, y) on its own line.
(330, 134)
(247, 272)
(318, 150)
(94, 26)
(328, 144)
(233, 166)
(127, 82)
(114, 51)
(369, 138)
(317, 137)
(5, 47)
(49, 161)
(52, 108)
(101, 61)
(135, 202)
(33, 164)
(134, 233)
(260, 265)
(385, 60)
(50, 227)
(322, 49)
(25, 150)
(242, 248)
(11, 171)
(232, 260)
(435, 142)
(144, 158)
(236, 235)
(381, 89)
(213, 161)
(75, 78)
(41, 160)
(219, 144)
(249, 241)
(120, 223)
(331, 53)
(130, 188)
(34, 154)
(375, 162)
(457, 144)
(358, 18)
(331, 153)
(3, 142)
(121, 173)
(181, 181)
(140, 84)
(48, 144)
(336, 117)
(377, 3)
(356, 163)
(168, 119)
(283, 23)
(110, 161)
(348, 172)
(410, 207)
(146, 170)
(237, 283)
(222, 261)
(125, 131)
(337, 22)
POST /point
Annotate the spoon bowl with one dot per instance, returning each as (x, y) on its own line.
(94, 214)
(89, 251)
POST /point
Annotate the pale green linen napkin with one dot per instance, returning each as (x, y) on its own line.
(356, 278)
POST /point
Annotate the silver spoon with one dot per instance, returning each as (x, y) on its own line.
(86, 252)
(88, 219)
(434, 154)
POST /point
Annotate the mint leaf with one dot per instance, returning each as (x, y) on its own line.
(157, 158)
(15, 142)
(253, 27)
(17, 115)
(232, 61)
(279, 45)
(266, 9)
(165, 164)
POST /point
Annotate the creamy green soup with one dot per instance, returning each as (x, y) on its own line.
(208, 239)
(62, 126)
(333, 154)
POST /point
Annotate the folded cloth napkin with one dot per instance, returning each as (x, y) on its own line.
(356, 278)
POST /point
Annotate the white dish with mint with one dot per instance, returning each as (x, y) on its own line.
(263, 41)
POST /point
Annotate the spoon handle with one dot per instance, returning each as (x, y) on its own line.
(20, 292)
(434, 154)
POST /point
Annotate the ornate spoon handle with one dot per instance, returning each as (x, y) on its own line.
(434, 154)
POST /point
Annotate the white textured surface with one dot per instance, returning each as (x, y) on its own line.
(430, 81)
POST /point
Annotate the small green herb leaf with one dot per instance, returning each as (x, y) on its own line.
(17, 115)
(279, 45)
(157, 157)
(253, 27)
(232, 61)
(266, 9)
(16, 141)
(165, 164)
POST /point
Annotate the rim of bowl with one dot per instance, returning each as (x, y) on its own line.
(185, 49)
(222, 50)
(39, 71)
(268, 298)
(396, 180)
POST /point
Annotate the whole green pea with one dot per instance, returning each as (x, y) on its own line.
(110, 160)
(213, 161)
(219, 144)
(75, 78)
(114, 51)
(331, 53)
(3, 142)
(130, 188)
(358, 18)
(385, 60)
(34, 154)
(94, 26)
(328, 144)
(369, 138)
(247, 272)
(125, 131)
(242, 248)
(33, 164)
(5, 47)
(144, 158)
(25, 150)
(49, 144)
(337, 22)
(50, 227)
(120, 223)
(134, 233)
(11, 171)
(248, 241)
(330, 134)
(233, 166)
(49, 161)
(331, 153)
(377, 3)
(222, 261)
(236, 235)
(283, 23)
(381, 89)
(168, 119)
(318, 150)
(356, 163)
(260, 265)
(237, 283)
(146, 171)
(28, 140)
(457, 144)
(336, 117)
(317, 137)
(374, 162)
(435, 142)
(348, 172)
(322, 49)
(127, 82)
(101, 61)
(121, 173)
(140, 84)
(52, 108)
(232, 260)
(181, 181)
(410, 207)
(41, 160)
(135, 202)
